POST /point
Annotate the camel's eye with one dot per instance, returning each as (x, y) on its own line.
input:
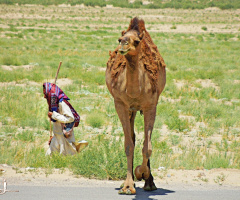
(136, 42)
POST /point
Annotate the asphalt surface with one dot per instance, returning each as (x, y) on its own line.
(111, 193)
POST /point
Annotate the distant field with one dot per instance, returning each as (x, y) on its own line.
(197, 124)
(153, 4)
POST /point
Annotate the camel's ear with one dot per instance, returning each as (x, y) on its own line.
(123, 32)
(141, 35)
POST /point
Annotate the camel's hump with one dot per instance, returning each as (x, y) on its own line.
(137, 25)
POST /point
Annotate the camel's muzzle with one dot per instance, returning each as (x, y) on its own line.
(123, 51)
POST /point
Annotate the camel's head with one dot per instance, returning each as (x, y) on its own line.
(129, 42)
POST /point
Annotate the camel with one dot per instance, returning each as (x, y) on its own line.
(135, 77)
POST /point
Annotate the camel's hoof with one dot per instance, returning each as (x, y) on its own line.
(127, 191)
(141, 174)
(150, 188)
(138, 174)
(121, 192)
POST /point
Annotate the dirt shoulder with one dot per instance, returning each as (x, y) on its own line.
(184, 179)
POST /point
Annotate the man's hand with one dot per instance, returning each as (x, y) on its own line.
(67, 135)
(49, 141)
(50, 114)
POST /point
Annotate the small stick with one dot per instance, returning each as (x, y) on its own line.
(57, 72)
(55, 84)
(50, 134)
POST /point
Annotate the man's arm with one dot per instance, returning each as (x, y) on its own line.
(65, 114)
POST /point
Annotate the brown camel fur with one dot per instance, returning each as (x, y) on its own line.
(135, 76)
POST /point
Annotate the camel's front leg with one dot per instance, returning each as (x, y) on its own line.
(143, 171)
(123, 114)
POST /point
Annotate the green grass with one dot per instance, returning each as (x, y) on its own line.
(100, 154)
(192, 111)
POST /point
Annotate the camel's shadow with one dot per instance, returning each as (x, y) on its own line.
(145, 195)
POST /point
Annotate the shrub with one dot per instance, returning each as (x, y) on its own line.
(175, 123)
(10, 60)
(96, 120)
(216, 161)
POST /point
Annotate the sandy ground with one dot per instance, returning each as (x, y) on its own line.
(205, 179)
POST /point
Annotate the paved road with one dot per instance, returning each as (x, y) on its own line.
(111, 193)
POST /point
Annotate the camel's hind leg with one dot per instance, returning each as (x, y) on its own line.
(149, 184)
(143, 171)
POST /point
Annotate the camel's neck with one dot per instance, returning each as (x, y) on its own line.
(133, 88)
